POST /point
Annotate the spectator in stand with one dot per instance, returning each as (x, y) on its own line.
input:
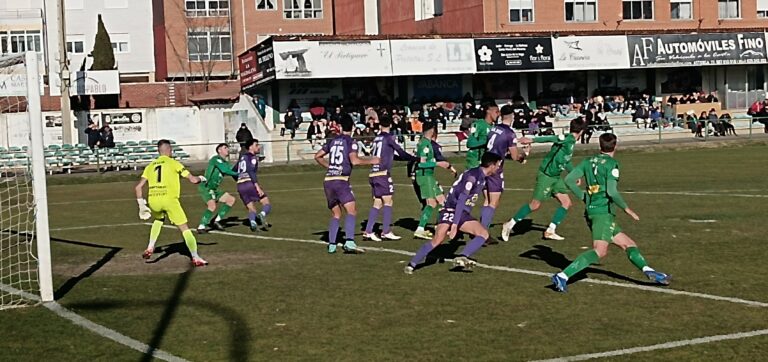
(244, 135)
(725, 120)
(685, 99)
(712, 97)
(289, 123)
(296, 109)
(672, 101)
(315, 133)
(714, 122)
(93, 135)
(589, 121)
(655, 117)
(316, 109)
(336, 115)
(701, 124)
(398, 126)
(700, 98)
(641, 115)
(416, 126)
(759, 112)
(106, 137)
(437, 114)
(467, 116)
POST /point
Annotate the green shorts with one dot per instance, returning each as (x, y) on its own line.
(548, 186)
(430, 189)
(603, 226)
(208, 194)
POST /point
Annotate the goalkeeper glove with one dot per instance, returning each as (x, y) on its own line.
(144, 212)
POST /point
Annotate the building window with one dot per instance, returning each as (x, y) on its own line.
(638, 9)
(120, 47)
(729, 9)
(762, 8)
(20, 41)
(581, 10)
(423, 9)
(520, 11)
(209, 44)
(265, 5)
(77, 46)
(303, 9)
(681, 9)
(195, 8)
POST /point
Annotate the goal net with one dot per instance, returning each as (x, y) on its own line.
(25, 275)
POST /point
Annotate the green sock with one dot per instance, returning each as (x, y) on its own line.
(154, 233)
(582, 262)
(522, 213)
(223, 210)
(560, 214)
(189, 239)
(636, 258)
(426, 215)
(206, 219)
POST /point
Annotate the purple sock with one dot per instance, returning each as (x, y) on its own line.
(266, 209)
(486, 216)
(474, 245)
(386, 220)
(372, 215)
(422, 253)
(333, 230)
(252, 216)
(349, 227)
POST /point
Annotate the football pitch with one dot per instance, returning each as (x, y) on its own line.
(277, 294)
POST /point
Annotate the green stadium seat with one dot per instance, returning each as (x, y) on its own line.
(147, 157)
(53, 147)
(24, 148)
(3, 150)
(6, 156)
(67, 146)
(49, 154)
(145, 143)
(81, 146)
(132, 143)
(20, 156)
(119, 144)
(14, 149)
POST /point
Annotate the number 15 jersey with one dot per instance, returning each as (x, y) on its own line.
(163, 177)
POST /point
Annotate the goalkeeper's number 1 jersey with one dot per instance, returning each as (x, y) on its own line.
(163, 177)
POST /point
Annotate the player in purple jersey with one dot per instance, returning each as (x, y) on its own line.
(248, 186)
(342, 155)
(380, 178)
(501, 140)
(455, 215)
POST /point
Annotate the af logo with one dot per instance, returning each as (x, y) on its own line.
(485, 54)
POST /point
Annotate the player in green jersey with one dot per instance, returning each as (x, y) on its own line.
(425, 178)
(549, 182)
(478, 137)
(601, 174)
(209, 190)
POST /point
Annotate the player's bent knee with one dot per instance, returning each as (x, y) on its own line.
(534, 205)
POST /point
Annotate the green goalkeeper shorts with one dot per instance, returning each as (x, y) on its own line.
(208, 194)
(603, 226)
(429, 187)
(548, 186)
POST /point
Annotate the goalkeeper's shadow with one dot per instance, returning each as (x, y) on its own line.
(175, 248)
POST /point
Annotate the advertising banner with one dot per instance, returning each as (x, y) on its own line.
(126, 126)
(265, 62)
(248, 68)
(590, 52)
(510, 54)
(332, 59)
(696, 49)
(432, 56)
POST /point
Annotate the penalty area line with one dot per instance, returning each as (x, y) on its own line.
(520, 271)
(99, 329)
(656, 347)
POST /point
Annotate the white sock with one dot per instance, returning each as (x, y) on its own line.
(218, 218)
(262, 214)
(194, 255)
(647, 269)
(552, 227)
(151, 245)
(201, 227)
(562, 275)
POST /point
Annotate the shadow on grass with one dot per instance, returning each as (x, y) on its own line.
(407, 223)
(525, 226)
(71, 282)
(239, 334)
(560, 262)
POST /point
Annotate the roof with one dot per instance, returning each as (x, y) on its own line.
(229, 92)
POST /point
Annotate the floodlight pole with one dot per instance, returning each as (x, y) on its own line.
(66, 109)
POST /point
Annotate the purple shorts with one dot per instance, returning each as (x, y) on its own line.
(338, 192)
(495, 182)
(446, 216)
(381, 186)
(249, 193)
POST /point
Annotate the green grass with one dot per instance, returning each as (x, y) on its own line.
(283, 300)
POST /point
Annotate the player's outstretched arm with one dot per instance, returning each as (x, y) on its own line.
(572, 182)
(613, 193)
(320, 158)
(356, 160)
(144, 212)
(224, 168)
(195, 179)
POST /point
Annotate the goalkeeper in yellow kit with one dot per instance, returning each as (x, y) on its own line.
(162, 174)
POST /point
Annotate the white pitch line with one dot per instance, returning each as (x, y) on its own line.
(656, 347)
(96, 226)
(524, 271)
(105, 332)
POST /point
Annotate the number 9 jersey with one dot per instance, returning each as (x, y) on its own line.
(163, 177)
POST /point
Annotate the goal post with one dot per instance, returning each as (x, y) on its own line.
(25, 253)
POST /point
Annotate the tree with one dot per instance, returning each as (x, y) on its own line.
(103, 59)
(103, 54)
